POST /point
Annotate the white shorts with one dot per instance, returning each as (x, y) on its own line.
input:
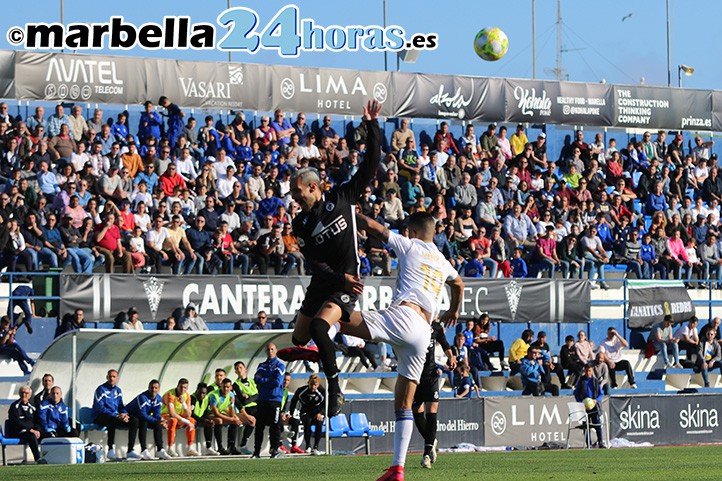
(407, 332)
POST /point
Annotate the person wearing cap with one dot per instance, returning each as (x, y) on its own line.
(133, 323)
(191, 321)
(518, 140)
(489, 141)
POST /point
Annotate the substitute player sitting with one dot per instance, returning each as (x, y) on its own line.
(177, 411)
(326, 232)
(405, 324)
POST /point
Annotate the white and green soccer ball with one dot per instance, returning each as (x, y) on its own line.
(491, 43)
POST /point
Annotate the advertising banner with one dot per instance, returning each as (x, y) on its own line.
(660, 107)
(330, 91)
(530, 421)
(447, 96)
(234, 298)
(667, 419)
(558, 102)
(81, 78)
(459, 421)
(650, 301)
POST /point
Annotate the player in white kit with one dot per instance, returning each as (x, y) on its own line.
(405, 324)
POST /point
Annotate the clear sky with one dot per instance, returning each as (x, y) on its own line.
(600, 44)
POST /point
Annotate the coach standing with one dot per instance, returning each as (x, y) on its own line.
(269, 380)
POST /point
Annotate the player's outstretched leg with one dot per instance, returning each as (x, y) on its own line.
(403, 397)
(327, 352)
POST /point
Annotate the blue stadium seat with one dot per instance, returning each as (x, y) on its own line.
(85, 418)
(7, 442)
(359, 423)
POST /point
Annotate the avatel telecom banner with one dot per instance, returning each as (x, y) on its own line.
(234, 298)
(650, 301)
(131, 80)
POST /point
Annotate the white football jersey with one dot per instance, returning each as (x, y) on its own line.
(423, 271)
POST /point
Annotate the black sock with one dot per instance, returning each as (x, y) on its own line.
(327, 351)
(430, 433)
(420, 421)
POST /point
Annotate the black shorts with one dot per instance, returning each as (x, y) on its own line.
(317, 294)
(427, 391)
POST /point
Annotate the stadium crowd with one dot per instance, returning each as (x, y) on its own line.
(204, 197)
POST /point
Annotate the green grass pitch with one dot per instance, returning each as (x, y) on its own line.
(668, 463)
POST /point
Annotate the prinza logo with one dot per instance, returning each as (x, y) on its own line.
(529, 101)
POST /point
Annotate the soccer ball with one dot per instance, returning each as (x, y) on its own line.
(491, 43)
(589, 403)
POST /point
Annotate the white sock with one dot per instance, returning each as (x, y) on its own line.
(333, 330)
(402, 436)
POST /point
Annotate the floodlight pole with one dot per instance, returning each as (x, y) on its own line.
(669, 55)
(230, 54)
(533, 39)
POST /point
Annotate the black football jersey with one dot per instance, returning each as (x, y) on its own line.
(327, 233)
(437, 335)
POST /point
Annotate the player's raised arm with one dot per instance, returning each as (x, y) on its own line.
(372, 227)
(450, 317)
(372, 158)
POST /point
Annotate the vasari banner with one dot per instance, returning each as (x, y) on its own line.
(234, 298)
(650, 301)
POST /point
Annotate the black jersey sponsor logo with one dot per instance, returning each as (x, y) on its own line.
(323, 233)
(330, 206)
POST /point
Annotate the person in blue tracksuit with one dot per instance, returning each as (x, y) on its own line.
(53, 416)
(176, 126)
(109, 410)
(588, 387)
(144, 413)
(269, 380)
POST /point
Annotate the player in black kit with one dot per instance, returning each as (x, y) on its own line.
(426, 399)
(326, 232)
(311, 398)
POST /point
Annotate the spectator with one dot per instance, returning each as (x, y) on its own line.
(12, 349)
(262, 322)
(531, 371)
(144, 413)
(73, 321)
(269, 379)
(133, 323)
(570, 360)
(595, 256)
(518, 350)
(53, 417)
(21, 423)
(108, 242)
(356, 347)
(588, 388)
(177, 414)
(665, 342)
(688, 338)
(585, 351)
(610, 350)
(191, 321)
(548, 364)
(518, 264)
(22, 297)
(109, 411)
(709, 357)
